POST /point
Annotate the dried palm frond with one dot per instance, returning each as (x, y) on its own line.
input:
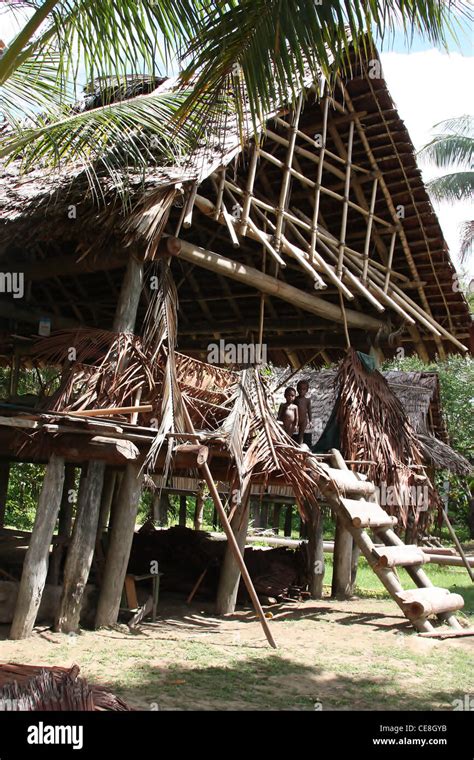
(160, 333)
(260, 446)
(375, 428)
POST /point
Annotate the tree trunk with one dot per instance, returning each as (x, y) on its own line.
(35, 566)
(288, 520)
(81, 547)
(120, 544)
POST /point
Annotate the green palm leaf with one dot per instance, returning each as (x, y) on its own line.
(453, 187)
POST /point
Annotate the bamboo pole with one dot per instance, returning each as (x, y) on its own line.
(312, 142)
(369, 231)
(389, 262)
(188, 209)
(220, 193)
(285, 185)
(345, 207)
(319, 176)
(391, 207)
(240, 272)
(232, 543)
(248, 191)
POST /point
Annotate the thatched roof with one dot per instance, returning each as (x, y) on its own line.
(36, 234)
(418, 392)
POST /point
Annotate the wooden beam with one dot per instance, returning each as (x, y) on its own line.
(240, 272)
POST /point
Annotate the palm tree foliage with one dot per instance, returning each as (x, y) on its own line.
(453, 145)
(258, 52)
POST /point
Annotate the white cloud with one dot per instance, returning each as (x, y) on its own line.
(427, 88)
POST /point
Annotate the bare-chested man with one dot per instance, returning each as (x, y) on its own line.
(288, 413)
(304, 413)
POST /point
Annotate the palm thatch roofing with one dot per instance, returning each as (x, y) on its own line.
(73, 262)
(419, 393)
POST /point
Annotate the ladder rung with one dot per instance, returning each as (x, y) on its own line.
(366, 514)
(400, 556)
(421, 602)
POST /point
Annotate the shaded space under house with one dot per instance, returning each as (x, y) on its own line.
(312, 248)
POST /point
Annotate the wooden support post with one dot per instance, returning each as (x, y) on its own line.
(108, 489)
(230, 570)
(64, 523)
(342, 559)
(199, 511)
(288, 520)
(35, 566)
(182, 510)
(354, 566)
(276, 518)
(264, 515)
(4, 477)
(342, 562)
(316, 555)
(161, 507)
(81, 547)
(120, 544)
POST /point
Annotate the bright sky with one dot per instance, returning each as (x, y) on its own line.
(427, 86)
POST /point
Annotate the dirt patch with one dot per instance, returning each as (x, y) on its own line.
(331, 656)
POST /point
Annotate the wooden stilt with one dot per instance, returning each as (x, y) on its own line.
(35, 566)
(276, 518)
(108, 489)
(316, 555)
(231, 569)
(288, 520)
(64, 523)
(120, 544)
(342, 559)
(81, 547)
(199, 511)
(182, 510)
(4, 478)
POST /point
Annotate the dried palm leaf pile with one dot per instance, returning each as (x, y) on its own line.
(375, 429)
(34, 687)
